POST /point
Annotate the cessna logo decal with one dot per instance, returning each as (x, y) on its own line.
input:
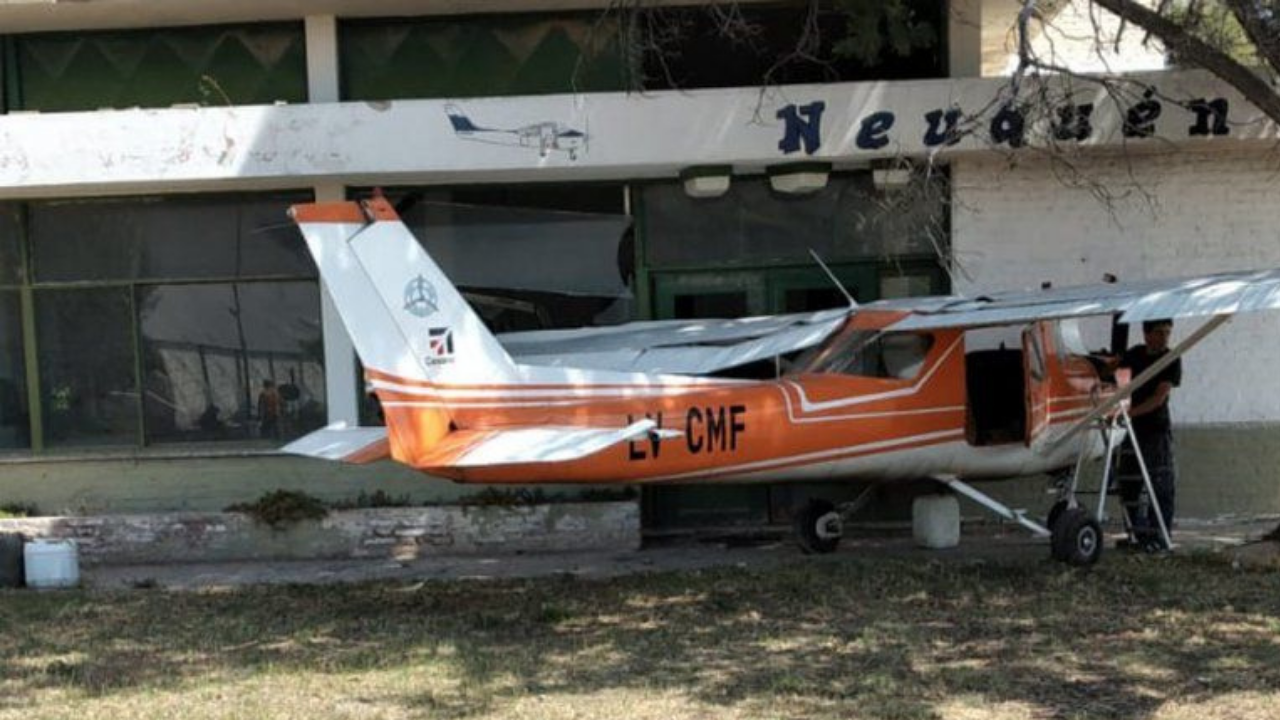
(420, 298)
(440, 345)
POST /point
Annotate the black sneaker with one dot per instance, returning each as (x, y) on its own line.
(1153, 546)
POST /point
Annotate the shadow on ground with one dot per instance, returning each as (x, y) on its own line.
(838, 636)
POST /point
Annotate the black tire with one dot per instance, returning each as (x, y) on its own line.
(1055, 513)
(1077, 538)
(813, 540)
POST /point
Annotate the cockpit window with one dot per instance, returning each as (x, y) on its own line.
(871, 353)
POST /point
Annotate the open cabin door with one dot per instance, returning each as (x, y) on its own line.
(1035, 346)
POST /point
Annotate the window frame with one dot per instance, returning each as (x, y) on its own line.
(29, 289)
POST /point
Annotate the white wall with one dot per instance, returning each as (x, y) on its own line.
(1082, 37)
(1171, 214)
(522, 139)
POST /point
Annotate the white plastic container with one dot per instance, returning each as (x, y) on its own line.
(51, 563)
(935, 521)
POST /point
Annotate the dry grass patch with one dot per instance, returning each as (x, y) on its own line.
(839, 637)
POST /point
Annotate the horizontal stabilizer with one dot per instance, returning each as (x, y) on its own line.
(489, 448)
(341, 442)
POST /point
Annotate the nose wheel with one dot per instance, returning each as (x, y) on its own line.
(1077, 538)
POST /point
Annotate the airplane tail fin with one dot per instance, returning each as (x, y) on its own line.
(412, 329)
(461, 123)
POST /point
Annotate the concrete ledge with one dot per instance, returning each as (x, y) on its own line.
(399, 533)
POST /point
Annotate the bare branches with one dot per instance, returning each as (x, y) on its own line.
(1180, 40)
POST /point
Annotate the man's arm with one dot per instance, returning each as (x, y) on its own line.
(1157, 399)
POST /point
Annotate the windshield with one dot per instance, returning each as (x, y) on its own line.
(870, 353)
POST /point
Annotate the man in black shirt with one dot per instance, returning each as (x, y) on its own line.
(1150, 413)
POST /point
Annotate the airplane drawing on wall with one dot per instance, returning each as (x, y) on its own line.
(545, 136)
(888, 392)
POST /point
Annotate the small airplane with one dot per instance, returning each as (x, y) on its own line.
(887, 392)
(545, 136)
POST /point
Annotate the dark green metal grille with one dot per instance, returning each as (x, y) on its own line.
(478, 55)
(157, 68)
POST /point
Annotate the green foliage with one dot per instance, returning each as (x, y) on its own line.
(18, 510)
(376, 499)
(1214, 23)
(877, 29)
(608, 494)
(507, 498)
(282, 508)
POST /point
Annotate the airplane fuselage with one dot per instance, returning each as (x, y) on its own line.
(806, 426)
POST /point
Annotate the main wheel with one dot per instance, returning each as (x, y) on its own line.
(1077, 538)
(1055, 513)
(818, 527)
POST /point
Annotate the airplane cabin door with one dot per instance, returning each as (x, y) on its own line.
(1036, 373)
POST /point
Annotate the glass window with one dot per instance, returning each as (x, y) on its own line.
(699, 47)
(870, 353)
(231, 361)
(906, 285)
(753, 225)
(710, 305)
(11, 271)
(167, 238)
(87, 381)
(14, 427)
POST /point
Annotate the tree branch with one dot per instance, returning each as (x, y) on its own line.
(1263, 32)
(1176, 38)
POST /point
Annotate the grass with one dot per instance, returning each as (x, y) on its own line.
(841, 637)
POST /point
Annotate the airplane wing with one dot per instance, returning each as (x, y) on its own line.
(357, 445)
(1220, 294)
(1217, 297)
(487, 448)
(694, 347)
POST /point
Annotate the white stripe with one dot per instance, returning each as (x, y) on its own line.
(818, 455)
(1069, 398)
(809, 406)
(791, 416)
(470, 405)
(516, 393)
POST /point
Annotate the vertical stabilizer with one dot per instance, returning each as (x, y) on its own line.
(414, 332)
(404, 316)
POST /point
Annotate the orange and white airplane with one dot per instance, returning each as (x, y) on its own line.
(888, 391)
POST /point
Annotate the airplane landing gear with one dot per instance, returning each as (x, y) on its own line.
(819, 524)
(1077, 538)
(818, 527)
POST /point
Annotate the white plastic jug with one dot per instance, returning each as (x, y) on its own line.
(51, 563)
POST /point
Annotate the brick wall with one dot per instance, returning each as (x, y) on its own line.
(1165, 215)
(400, 533)
(1142, 216)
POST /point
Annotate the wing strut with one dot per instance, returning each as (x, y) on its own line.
(1143, 378)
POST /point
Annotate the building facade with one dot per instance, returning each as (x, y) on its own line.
(162, 329)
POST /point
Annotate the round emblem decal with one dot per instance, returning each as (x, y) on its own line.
(420, 297)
